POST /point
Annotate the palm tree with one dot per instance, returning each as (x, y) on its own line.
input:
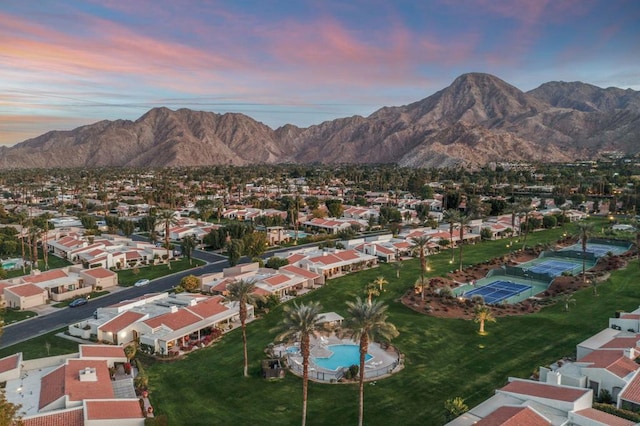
(367, 323)
(420, 243)
(241, 291)
(567, 299)
(45, 241)
(398, 265)
(167, 219)
(482, 314)
(34, 236)
(22, 217)
(464, 221)
(524, 212)
(421, 282)
(301, 321)
(380, 282)
(451, 216)
(187, 245)
(636, 224)
(218, 204)
(584, 232)
(371, 289)
(564, 210)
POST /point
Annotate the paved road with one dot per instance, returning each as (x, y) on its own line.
(63, 317)
(45, 323)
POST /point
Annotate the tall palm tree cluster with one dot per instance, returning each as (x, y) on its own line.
(366, 322)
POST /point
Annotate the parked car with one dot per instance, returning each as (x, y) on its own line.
(141, 283)
(78, 302)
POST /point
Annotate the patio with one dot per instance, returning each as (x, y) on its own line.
(383, 361)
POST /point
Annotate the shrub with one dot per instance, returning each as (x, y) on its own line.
(623, 412)
(477, 299)
(352, 372)
(605, 397)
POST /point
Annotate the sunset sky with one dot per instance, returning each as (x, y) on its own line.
(66, 63)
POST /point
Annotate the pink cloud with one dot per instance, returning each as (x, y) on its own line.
(326, 51)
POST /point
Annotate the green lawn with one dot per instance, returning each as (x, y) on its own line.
(126, 277)
(9, 316)
(53, 261)
(443, 358)
(37, 347)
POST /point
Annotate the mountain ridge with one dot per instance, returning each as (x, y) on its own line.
(477, 119)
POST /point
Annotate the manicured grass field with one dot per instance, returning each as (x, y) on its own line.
(9, 316)
(37, 347)
(443, 358)
(126, 277)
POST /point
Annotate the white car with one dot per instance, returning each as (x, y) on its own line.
(141, 283)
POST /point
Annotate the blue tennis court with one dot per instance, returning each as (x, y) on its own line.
(498, 291)
(599, 250)
(552, 267)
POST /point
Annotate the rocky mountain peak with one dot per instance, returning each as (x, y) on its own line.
(477, 119)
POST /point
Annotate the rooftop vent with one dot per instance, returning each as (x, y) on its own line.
(88, 375)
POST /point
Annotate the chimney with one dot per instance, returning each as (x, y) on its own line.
(630, 353)
(174, 309)
(88, 375)
(554, 377)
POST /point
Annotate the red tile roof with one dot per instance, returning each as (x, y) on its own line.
(45, 276)
(542, 390)
(173, 320)
(347, 255)
(121, 321)
(630, 316)
(612, 360)
(77, 390)
(326, 259)
(26, 290)
(276, 280)
(9, 363)
(261, 291)
(632, 392)
(300, 271)
(72, 417)
(402, 244)
(99, 273)
(133, 255)
(114, 409)
(604, 418)
(101, 351)
(622, 343)
(295, 258)
(209, 307)
(51, 387)
(514, 416)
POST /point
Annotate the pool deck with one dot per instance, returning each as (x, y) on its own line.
(383, 362)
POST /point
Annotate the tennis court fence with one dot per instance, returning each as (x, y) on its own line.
(517, 271)
(570, 254)
(616, 243)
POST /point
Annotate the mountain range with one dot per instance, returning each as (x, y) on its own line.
(478, 119)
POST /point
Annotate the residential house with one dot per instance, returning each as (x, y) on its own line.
(75, 390)
(57, 284)
(161, 322)
(334, 262)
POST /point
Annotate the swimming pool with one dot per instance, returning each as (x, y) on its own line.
(293, 349)
(343, 356)
(301, 234)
